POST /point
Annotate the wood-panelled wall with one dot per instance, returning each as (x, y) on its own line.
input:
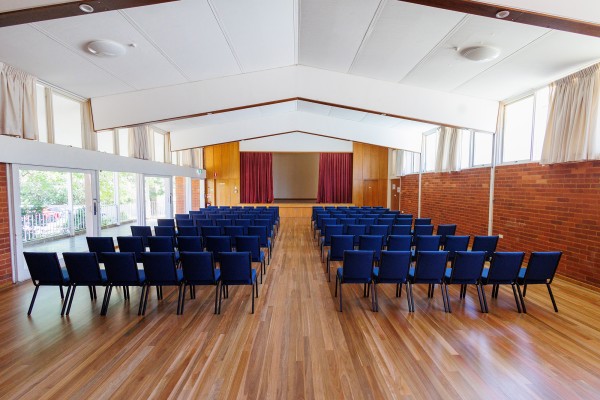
(222, 164)
(370, 175)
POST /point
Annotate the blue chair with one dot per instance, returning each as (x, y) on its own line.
(485, 243)
(426, 243)
(165, 222)
(222, 223)
(188, 231)
(265, 241)
(45, 270)
(456, 243)
(251, 244)
(243, 222)
(236, 269)
(372, 243)
(199, 270)
(398, 229)
(381, 230)
(143, 232)
(393, 268)
(365, 221)
(329, 230)
(389, 222)
(160, 270)
(339, 244)
(132, 244)
(422, 221)
(267, 224)
(164, 231)
(99, 245)
(217, 245)
(445, 230)
(466, 269)
(163, 244)
(181, 217)
(504, 270)
(423, 230)
(184, 223)
(357, 268)
(210, 231)
(84, 270)
(356, 231)
(345, 221)
(189, 243)
(121, 270)
(399, 242)
(540, 270)
(324, 222)
(233, 232)
(404, 222)
(430, 269)
(202, 222)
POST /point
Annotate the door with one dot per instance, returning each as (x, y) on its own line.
(395, 195)
(54, 210)
(157, 198)
(370, 192)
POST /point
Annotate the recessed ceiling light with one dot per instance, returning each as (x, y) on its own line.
(480, 53)
(502, 14)
(86, 8)
(106, 48)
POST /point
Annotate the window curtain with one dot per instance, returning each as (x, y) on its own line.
(18, 115)
(335, 178)
(573, 129)
(89, 136)
(256, 183)
(448, 150)
(139, 144)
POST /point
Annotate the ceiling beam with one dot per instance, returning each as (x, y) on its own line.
(70, 9)
(516, 15)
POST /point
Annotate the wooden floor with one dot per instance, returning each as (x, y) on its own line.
(298, 345)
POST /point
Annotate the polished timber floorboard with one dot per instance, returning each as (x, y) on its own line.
(298, 345)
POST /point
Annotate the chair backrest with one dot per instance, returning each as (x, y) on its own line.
(399, 242)
(165, 222)
(266, 223)
(403, 221)
(182, 217)
(99, 245)
(243, 222)
(201, 222)
(234, 231)
(210, 231)
(405, 216)
(364, 221)
(164, 231)
(198, 267)
(236, 268)
(422, 221)
(261, 232)
(339, 244)
(83, 268)
(121, 268)
(400, 229)
(132, 244)
(143, 232)
(371, 242)
(456, 243)
(467, 267)
(188, 231)
(542, 266)
(250, 244)
(218, 244)
(427, 243)
(160, 268)
(356, 230)
(504, 267)
(44, 268)
(222, 222)
(328, 221)
(189, 243)
(331, 230)
(161, 244)
(423, 230)
(430, 267)
(181, 223)
(358, 265)
(445, 230)
(485, 243)
(394, 265)
(382, 230)
(347, 221)
(386, 221)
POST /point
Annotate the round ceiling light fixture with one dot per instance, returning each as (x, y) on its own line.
(106, 48)
(86, 8)
(502, 14)
(480, 53)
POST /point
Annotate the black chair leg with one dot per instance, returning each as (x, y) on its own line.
(62, 295)
(479, 297)
(524, 290)
(517, 301)
(66, 301)
(484, 299)
(328, 272)
(181, 299)
(375, 299)
(257, 290)
(261, 275)
(252, 295)
(340, 295)
(216, 295)
(70, 300)
(94, 291)
(91, 294)
(410, 298)
(226, 291)
(445, 290)
(221, 293)
(142, 296)
(336, 286)
(444, 297)
(146, 300)
(552, 297)
(522, 298)
(105, 300)
(35, 295)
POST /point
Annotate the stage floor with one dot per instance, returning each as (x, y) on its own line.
(296, 210)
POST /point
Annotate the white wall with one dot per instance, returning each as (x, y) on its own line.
(296, 142)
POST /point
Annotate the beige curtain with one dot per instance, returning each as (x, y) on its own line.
(18, 116)
(448, 150)
(186, 158)
(139, 146)
(573, 131)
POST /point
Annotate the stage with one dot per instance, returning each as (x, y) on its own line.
(296, 210)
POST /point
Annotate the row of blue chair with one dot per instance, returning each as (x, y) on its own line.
(431, 268)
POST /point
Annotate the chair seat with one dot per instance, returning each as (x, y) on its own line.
(485, 272)
(448, 273)
(411, 272)
(340, 274)
(65, 274)
(522, 273)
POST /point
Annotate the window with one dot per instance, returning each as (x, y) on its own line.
(41, 113)
(407, 163)
(67, 121)
(542, 100)
(175, 157)
(482, 148)
(416, 163)
(159, 146)
(123, 141)
(465, 149)
(106, 141)
(431, 144)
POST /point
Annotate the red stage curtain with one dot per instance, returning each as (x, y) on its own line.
(335, 178)
(256, 180)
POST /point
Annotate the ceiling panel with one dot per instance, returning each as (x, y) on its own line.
(278, 108)
(261, 31)
(331, 31)
(142, 67)
(26, 48)
(403, 34)
(314, 108)
(380, 120)
(344, 113)
(444, 69)
(555, 55)
(187, 32)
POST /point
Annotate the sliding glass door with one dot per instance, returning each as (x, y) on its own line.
(157, 198)
(118, 203)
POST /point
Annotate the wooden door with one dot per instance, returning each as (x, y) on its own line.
(395, 195)
(370, 192)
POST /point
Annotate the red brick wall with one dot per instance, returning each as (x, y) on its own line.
(409, 194)
(5, 257)
(555, 207)
(179, 195)
(195, 194)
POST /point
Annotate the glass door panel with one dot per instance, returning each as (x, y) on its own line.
(157, 198)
